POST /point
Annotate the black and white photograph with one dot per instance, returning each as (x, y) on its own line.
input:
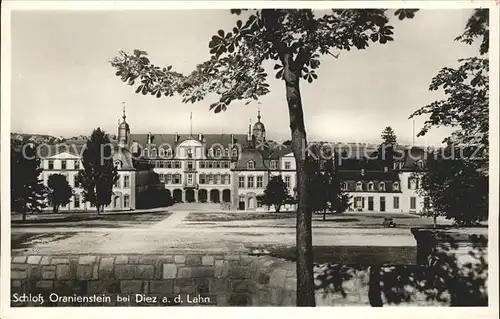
(267, 154)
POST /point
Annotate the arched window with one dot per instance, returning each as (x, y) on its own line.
(210, 178)
(218, 153)
(161, 152)
(371, 186)
(202, 178)
(226, 152)
(153, 152)
(395, 186)
(235, 152)
(211, 152)
(420, 164)
(169, 153)
(218, 179)
(344, 186)
(359, 186)
(118, 164)
(250, 165)
(381, 186)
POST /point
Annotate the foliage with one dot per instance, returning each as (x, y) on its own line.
(455, 181)
(326, 189)
(59, 191)
(387, 149)
(98, 174)
(454, 188)
(467, 92)
(275, 194)
(389, 137)
(27, 191)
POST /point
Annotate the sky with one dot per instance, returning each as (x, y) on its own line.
(63, 84)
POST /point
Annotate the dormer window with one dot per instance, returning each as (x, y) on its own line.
(189, 153)
(359, 186)
(395, 186)
(420, 164)
(226, 152)
(235, 152)
(273, 165)
(371, 186)
(153, 152)
(118, 164)
(211, 152)
(169, 153)
(344, 186)
(381, 186)
(218, 153)
(250, 165)
(161, 152)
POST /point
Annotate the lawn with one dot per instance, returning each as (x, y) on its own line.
(79, 219)
(353, 255)
(228, 217)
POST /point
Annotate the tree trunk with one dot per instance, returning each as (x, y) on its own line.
(324, 214)
(55, 209)
(434, 221)
(24, 215)
(98, 207)
(277, 208)
(305, 277)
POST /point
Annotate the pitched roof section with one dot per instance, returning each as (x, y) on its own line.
(250, 155)
(170, 139)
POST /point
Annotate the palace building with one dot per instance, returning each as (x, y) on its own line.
(232, 169)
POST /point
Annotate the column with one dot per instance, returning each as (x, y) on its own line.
(195, 195)
(183, 196)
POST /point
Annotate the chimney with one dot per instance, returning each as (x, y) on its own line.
(232, 139)
(362, 172)
(149, 138)
(200, 137)
(176, 137)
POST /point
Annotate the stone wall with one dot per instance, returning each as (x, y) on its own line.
(194, 279)
(231, 280)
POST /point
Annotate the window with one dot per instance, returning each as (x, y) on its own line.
(126, 181)
(344, 186)
(395, 186)
(160, 164)
(51, 164)
(202, 164)
(359, 186)
(117, 182)
(287, 181)
(189, 153)
(217, 153)
(235, 152)
(153, 152)
(169, 153)
(75, 182)
(177, 164)
(177, 178)
(168, 179)
(273, 165)
(190, 165)
(287, 165)
(381, 186)
(260, 181)
(210, 178)
(412, 183)
(216, 164)
(396, 202)
(250, 183)
(63, 164)
(218, 179)
(413, 203)
(157, 164)
(126, 201)
(76, 202)
(202, 178)
(420, 164)
(162, 178)
(228, 179)
(211, 152)
(241, 182)
(226, 152)
(371, 186)
(77, 164)
(250, 165)
(190, 179)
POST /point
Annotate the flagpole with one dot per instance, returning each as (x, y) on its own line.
(191, 124)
